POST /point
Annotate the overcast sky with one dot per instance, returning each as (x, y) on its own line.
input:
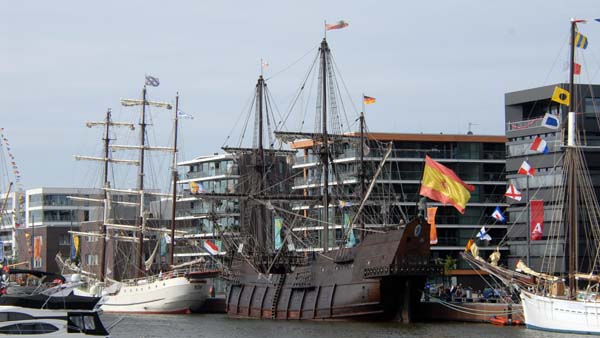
(434, 66)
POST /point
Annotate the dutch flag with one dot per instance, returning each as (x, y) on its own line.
(539, 145)
(211, 247)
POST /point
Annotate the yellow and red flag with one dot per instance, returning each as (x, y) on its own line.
(368, 99)
(441, 184)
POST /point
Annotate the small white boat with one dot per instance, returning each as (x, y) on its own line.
(168, 294)
(18, 321)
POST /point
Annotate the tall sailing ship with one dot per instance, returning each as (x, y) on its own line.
(177, 289)
(276, 272)
(552, 301)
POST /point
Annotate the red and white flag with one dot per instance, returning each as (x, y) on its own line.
(537, 219)
(513, 192)
(338, 25)
(526, 169)
(211, 247)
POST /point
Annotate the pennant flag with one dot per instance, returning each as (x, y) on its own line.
(211, 247)
(561, 96)
(441, 184)
(551, 121)
(483, 235)
(537, 219)
(368, 99)
(581, 41)
(338, 25)
(498, 215)
(576, 68)
(539, 145)
(526, 169)
(433, 239)
(183, 115)
(513, 192)
(152, 81)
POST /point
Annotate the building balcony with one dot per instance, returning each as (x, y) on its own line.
(377, 155)
(217, 172)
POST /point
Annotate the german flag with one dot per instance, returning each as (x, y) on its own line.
(441, 184)
(368, 99)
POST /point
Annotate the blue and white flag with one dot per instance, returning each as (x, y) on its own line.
(497, 214)
(182, 115)
(483, 235)
(551, 121)
(152, 81)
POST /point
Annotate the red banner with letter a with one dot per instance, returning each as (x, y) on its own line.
(536, 226)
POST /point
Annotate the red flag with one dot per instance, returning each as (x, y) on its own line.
(537, 219)
(576, 68)
(338, 25)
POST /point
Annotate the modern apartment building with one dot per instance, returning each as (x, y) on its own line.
(207, 218)
(524, 113)
(11, 218)
(50, 213)
(477, 159)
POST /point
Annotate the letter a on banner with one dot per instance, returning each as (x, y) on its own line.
(536, 226)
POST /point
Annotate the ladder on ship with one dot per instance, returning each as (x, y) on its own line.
(276, 295)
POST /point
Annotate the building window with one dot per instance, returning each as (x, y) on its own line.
(64, 240)
(91, 260)
(92, 239)
(37, 262)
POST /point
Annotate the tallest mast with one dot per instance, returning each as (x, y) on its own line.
(571, 175)
(139, 220)
(325, 147)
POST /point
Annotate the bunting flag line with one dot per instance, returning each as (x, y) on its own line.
(338, 25)
(498, 215)
(152, 81)
(443, 185)
(368, 99)
(539, 145)
(561, 96)
(513, 192)
(551, 121)
(483, 235)
(526, 169)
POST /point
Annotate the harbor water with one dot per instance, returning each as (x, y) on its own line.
(219, 326)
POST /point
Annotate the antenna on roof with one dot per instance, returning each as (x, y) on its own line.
(469, 132)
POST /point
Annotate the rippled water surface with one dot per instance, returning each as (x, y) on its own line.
(218, 325)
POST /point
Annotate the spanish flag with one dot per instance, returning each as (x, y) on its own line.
(441, 184)
(561, 96)
(368, 99)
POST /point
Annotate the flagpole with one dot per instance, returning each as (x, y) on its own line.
(528, 223)
(325, 29)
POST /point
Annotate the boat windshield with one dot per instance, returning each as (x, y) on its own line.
(88, 323)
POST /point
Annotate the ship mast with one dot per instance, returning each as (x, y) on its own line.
(107, 123)
(571, 175)
(175, 177)
(325, 146)
(362, 172)
(139, 221)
